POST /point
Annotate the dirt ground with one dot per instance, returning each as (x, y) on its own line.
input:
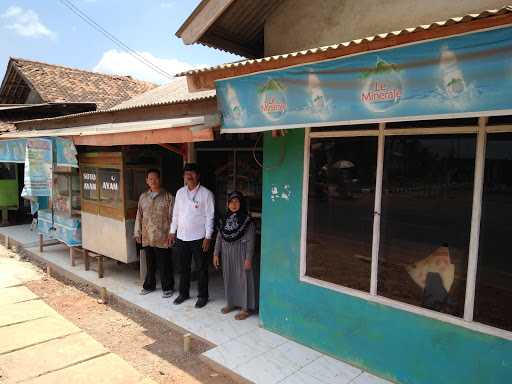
(149, 345)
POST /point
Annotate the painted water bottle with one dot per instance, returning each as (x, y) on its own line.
(451, 75)
(234, 104)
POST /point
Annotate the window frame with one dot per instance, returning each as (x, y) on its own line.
(481, 130)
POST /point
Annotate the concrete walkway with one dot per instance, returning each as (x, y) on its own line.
(242, 347)
(38, 346)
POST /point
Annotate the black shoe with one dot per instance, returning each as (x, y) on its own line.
(201, 302)
(180, 299)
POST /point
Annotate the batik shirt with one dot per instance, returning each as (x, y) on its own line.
(154, 218)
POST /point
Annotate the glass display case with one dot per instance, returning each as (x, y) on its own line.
(62, 219)
(111, 183)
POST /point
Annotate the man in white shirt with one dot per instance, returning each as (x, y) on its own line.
(191, 233)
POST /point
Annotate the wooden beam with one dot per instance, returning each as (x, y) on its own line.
(180, 150)
(156, 136)
(201, 19)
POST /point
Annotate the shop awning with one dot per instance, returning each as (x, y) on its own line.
(158, 131)
(466, 75)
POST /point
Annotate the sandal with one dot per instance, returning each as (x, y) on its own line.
(227, 310)
(242, 315)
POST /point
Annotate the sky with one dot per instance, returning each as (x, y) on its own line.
(45, 30)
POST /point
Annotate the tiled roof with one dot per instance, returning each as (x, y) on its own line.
(339, 47)
(174, 92)
(55, 83)
(6, 127)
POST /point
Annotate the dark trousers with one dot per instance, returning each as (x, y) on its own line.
(185, 251)
(158, 258)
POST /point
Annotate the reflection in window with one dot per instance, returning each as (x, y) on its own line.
(340, 210)
(426, 220)
(493, 293)
(110, 187)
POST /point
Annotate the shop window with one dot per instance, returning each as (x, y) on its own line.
(493, 293)
(89, 183)
(109, 187)
(340, 210)
(426, 220)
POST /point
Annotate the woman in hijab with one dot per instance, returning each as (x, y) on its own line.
(235, 244)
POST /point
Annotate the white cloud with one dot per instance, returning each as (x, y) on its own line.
(167, 4)
(122, 63)
(25, 22)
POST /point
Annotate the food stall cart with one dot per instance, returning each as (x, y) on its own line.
(111, 183)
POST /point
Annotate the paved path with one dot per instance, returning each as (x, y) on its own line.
(37, 345)
(249, 351)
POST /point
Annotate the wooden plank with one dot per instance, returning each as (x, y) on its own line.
(71, 256)
(41, 243)
(156, 136)
(101, 268)
(87, 260)
(201, 19)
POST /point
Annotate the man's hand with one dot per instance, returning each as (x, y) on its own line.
(171, 239)
(206, 245)
(216, 261)
(247, 265)
(138, 239)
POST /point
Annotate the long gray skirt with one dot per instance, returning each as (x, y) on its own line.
(239, 284)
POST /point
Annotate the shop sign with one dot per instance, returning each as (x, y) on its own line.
(458, 76)
(89, 181)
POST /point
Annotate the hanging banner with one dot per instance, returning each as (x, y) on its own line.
(12, 151)
(460, 76)
(65, 152)
(38, 168)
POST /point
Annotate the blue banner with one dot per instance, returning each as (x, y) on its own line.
(38, 168)
(65, 152)
(467, 75)
(12, 151)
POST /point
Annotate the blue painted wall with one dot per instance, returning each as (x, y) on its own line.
(398, 345)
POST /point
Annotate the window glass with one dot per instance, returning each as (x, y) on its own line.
(89, 183)
(340, 210)
(426, 220)
(110, 187)
(493, 293)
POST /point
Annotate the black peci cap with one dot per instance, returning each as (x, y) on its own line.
(192, 167)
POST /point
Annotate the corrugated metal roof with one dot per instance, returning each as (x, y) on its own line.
(196, 122)
(454, 20)
(176, 92)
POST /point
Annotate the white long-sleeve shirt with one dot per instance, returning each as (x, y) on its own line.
(193, 214)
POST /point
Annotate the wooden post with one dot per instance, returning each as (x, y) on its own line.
(103, 295)
(100, 266)
(48, 270)
(478, 187)
(72, 256)
(86, 260)
(186, 342)
(41, 242)
(5, 216)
